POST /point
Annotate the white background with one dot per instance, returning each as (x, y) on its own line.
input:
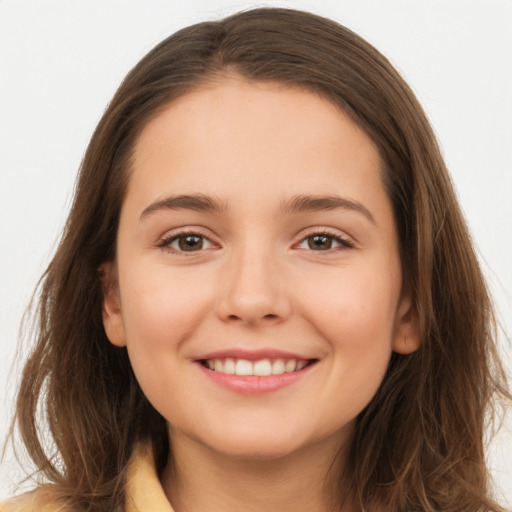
(61, 61)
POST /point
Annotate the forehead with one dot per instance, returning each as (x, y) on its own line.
(251, 128)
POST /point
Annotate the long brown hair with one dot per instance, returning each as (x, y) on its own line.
(418, 446)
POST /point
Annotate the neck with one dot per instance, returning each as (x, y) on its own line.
(201, 479)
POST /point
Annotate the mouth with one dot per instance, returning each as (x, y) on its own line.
(261, 368)
(255, 372)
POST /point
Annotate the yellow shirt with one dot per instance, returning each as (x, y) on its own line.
(143, 490)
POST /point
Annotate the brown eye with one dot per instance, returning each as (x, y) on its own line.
(190, 242)
(319, 242)
(187, 242)
(325, 242)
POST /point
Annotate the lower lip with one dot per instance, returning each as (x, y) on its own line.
(254, 384)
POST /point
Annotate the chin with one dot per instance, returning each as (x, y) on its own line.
(252, 444)
(256, 452)
(260, 444)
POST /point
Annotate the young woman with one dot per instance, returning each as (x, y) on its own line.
(265, 297)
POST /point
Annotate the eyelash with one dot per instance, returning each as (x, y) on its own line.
(344, 243)
(165, 243)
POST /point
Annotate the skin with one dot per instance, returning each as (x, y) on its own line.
(257, 284)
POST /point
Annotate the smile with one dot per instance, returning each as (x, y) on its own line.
(261, 368)
(252, 373)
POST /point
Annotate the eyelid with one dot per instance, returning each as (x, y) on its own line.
(346, 241)
(164, 242)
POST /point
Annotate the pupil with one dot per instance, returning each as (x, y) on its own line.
(190, 243)
(318, 242)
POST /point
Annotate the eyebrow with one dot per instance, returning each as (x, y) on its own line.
(312, 203)
(300, 203)
(196, 202)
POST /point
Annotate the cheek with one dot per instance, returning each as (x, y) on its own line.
(356, 301)
(161, 301)
(161, 310)
(355, 313)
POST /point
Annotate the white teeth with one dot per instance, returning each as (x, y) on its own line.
(300, 365)
(290, 366)
(261, 368)
(229, 366)
(244, 367)
(278, 367)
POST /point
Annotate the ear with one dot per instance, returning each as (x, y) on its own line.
(407, 337)
(111, 310)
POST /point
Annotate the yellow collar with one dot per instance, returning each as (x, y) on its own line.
(144, 493)
(143, 489)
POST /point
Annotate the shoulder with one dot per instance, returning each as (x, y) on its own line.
(38, 500)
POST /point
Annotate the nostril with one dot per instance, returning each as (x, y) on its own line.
(270, 317)
(251, 308)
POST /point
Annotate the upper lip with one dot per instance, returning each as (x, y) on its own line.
(252, 355)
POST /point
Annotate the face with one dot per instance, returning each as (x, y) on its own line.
(257, 284)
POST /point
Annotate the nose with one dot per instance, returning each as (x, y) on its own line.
(253, 290)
